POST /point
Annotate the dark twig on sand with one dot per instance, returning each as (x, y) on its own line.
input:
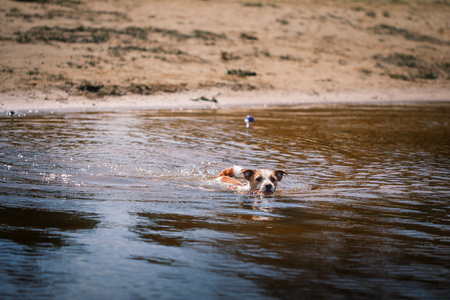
(203, 98)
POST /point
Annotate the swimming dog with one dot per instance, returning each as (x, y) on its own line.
(262, 181)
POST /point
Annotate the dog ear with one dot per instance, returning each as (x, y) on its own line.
(279, 174)
(248, 174)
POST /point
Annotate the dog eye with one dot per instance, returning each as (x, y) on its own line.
(272, 179)
(259, 179)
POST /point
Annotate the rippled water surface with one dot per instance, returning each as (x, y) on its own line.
(123, 205)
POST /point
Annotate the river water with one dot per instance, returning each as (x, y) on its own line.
(123, 205)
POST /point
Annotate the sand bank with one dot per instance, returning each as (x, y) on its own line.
(108, 54)
(38, 102)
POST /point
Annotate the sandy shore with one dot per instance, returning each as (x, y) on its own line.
(87, 55)
(33, 102)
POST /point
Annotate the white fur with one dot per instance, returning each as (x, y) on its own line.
(237, 171)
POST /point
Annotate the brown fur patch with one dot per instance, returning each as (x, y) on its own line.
(227, 172)
(230, 180)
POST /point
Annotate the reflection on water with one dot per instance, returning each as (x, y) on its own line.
(123, 205)
(35, 227)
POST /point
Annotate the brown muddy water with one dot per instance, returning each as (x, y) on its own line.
(122, 205)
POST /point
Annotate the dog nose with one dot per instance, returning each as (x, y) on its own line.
(268, 188)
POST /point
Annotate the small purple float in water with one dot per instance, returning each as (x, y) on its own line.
(249, 119)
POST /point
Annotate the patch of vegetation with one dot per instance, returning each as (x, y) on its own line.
(290, 58)
(398, 76)
(227, 56)
(69, 14)
(119, 50)
(80, 34)
(209, 36)
(241, 73)
(94, 89)
(248, 37)
(413, 36)
(253, 4)
(413, 67)
(7, 70)
(58, 2)
(445, 2)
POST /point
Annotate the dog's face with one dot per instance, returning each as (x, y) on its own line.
(264, 181)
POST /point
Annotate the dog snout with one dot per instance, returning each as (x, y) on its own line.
(268, 188)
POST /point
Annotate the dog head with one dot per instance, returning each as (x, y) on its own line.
(264, 181)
